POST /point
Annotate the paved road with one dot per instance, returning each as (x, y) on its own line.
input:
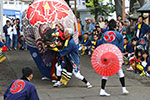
(75, 90)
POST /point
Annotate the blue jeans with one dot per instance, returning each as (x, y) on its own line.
(15, 40)
(8, 41)
(1, 44)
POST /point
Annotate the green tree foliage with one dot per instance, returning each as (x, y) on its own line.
(98, 8)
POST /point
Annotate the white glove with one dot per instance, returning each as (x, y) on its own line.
(129, 55)
(80, 48)
(144, 64)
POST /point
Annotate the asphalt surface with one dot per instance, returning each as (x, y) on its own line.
(139, 87)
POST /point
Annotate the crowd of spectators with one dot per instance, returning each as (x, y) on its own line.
(136, 37)
(13, 37)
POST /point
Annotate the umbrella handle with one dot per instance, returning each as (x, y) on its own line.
(105, 59)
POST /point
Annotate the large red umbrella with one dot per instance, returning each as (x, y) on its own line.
(107, 59)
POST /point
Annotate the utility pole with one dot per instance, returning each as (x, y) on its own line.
(75, 7)
(123, 10)
(1, 19)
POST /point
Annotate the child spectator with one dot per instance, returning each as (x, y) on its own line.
(85, 44)
(95, 43)
(145, 63)
(22, 43)
(136, 59)
(134, 43)
(99, 32)
(128, 50)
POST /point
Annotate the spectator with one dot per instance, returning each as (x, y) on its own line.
(22, 43)
(84, 45)
(128, 50)
(97, 25)
(99, 32)
(80, 29)
(145, 63)
(120, 27)
(87, 26)
(124, 30)
(134, 43)
(15, 36)
(7, 35)
(22, 89)
(106, 23)
(141, 30)
(101, 22)
(135, 60)
(95, 43)
(128, 32)
(119, 18)
(92, 26)
(18, 26)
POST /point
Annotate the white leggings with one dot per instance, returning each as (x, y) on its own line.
(120, 74)
(76, 74)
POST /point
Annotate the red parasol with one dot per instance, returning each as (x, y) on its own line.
(107, 59)
(41, 12)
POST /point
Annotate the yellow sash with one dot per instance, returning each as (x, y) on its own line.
(139, 26)
(66, 43)
(85, 41)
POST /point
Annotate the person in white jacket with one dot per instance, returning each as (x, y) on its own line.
(15, 36)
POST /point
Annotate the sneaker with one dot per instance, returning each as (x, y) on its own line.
(89, 85)
(143, 74)
(89, 53)
(103, 93)
(80, 48)
(54, 81)
(57, 84)
(147, 74)
(82, 53)
(129, 69)
(44, 78)
(124, 91)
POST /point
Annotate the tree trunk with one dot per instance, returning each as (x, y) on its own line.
(118, 7)
(96, 11)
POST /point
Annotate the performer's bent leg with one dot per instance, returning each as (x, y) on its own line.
(103, 84)
(82, 78)
(122, 81)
